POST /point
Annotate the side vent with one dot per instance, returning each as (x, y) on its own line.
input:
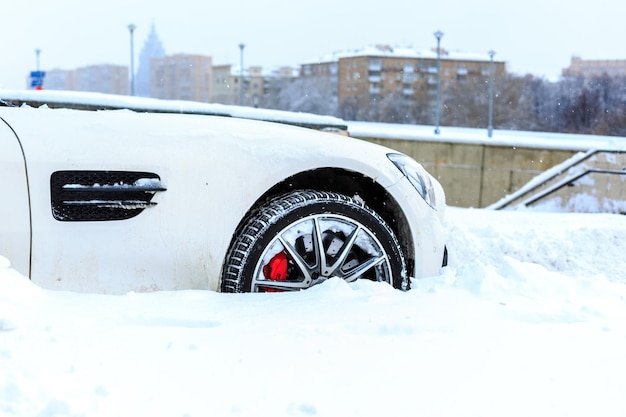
(87, 196)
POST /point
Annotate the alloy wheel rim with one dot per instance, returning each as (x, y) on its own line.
(319, 247)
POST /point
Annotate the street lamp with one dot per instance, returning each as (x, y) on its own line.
(36, 77)
(131, 29)
(491, 76)
(241, 46)
(438, 35)
(37, 53)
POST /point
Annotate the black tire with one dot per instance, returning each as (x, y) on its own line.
(278, 247)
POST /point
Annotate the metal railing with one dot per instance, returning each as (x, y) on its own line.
(575, 169)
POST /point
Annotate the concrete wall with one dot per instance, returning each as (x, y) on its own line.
(477, 175)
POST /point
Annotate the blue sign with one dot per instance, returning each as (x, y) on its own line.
(36, 79)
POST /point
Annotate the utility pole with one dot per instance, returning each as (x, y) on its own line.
(438, 35)
(241, 72)
(131, 29)
(491, 76)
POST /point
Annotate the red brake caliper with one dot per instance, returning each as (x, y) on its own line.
(276, 268)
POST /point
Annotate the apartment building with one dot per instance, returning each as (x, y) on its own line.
(254, 88)
(181, 77)
(225, 85)
(110, 79)
(595, 67)
(59, 79)
(370, 74)
(230, 86)
(106, 78)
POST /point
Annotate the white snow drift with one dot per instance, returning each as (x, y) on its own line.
(529, 319)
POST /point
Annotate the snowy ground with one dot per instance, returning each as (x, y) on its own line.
(528, 320)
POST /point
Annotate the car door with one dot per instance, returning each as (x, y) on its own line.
(15, 227)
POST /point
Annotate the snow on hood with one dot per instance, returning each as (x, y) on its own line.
(111, 101)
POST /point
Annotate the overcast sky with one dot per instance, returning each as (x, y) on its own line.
(532, 36)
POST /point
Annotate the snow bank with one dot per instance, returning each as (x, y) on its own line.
(16, 292)
(501, 137)
(528, 319)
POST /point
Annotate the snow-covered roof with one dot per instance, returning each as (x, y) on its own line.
(272, 71)
(403, 52)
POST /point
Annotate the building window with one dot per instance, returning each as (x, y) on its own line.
(375, 64)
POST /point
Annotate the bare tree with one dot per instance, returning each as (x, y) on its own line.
(570, 104)
(306, 95)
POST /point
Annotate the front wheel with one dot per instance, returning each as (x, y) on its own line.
(303, 238)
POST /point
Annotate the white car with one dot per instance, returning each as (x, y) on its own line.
(118, 201)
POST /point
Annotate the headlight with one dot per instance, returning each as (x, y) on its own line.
(417, 175)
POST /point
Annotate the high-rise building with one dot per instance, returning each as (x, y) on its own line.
(152, 48)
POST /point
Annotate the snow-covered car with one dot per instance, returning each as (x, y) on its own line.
(118, 201)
